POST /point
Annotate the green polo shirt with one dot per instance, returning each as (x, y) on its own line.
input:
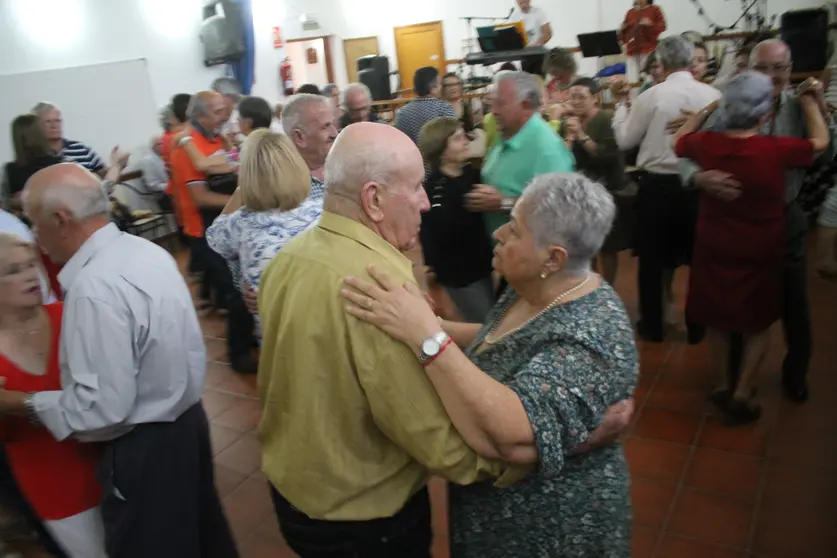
(512, 163)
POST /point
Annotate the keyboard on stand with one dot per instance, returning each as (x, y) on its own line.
(490, 58)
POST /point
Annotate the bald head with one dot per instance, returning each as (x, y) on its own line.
(773, 58)
(208, 109)
(374, 174)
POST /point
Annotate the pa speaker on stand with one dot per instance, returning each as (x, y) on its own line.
(806, 33)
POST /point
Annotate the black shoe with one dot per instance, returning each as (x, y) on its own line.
(795, 389)
(648, 334)
(739, 412)
(245, 364)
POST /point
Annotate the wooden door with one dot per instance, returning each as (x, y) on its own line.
(354, 49)
(417, 46)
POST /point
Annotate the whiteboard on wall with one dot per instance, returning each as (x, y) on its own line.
(102, 105)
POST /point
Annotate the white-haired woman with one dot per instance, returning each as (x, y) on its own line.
(56, 479)
(532, 383)
(270, 206)
(736, 270)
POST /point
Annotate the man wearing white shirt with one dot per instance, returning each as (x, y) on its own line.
(133, 363)
(666, 212)
(538, 32)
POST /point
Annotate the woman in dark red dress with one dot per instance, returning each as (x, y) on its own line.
(57, 479)
(736, 272)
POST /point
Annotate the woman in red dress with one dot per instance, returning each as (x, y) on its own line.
(58, 479)
(640, 32)
(736, 272)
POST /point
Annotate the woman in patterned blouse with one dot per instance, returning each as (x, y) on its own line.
(531, 384)
(269, 208)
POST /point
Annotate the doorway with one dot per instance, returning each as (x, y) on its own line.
(356, 48)
(417, 46)
(310, 61)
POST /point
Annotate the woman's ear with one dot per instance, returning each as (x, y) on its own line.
(556, 259)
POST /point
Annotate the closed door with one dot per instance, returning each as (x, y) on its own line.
(417, 46)
(356, 48)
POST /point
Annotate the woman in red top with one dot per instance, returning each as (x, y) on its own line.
(640, 32)
(736, 271)
(57, 479)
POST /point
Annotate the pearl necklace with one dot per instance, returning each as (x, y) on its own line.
(550, 306)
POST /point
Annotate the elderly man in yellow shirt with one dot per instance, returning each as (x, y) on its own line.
(351, 426)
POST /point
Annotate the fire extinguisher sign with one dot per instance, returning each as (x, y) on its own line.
(277, 38)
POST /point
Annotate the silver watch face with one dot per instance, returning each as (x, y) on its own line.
(430, 347)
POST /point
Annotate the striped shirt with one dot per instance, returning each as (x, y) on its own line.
(418, 112)
(81, 154)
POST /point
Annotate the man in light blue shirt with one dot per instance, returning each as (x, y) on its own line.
(528, 147)
(12, 225)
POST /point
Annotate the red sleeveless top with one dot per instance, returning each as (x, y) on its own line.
(57, 478)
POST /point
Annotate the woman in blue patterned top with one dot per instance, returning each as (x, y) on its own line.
(531, 384)
(269, 208)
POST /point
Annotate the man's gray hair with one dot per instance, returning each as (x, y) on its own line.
(571, 211)
(529, 90)
(675, 53)
(748, 97)
(293, 115)
(356, 88)
(42, 107)
(164, 115)
(329, 88)
(81, 200)
(754, 54)
(197, 107)
(228, 87)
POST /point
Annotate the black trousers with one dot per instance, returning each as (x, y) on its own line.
(240, 324)
(159, 493)
(407, 534)
(796, 312)
(666, 220)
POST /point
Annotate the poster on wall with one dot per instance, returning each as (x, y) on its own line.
(277, 38)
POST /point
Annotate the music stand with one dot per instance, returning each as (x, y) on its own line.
(601, 43)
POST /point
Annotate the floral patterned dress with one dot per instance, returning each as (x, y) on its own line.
(567, 366)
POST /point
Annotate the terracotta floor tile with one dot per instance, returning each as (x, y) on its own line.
(792, 532)
(216, 402)
(651, 502)
(714, 519)
(668, 395)
(244, 456)
(216, 349)
(811, 489)
(749, 439)
(240, 384)
(670, 426)
(216, 372)
(725, 473)
(223, 437)
(659, 461)
(248, 507)
(798, 438)
(673, 546)
(643, 542)
(227, 480)
(244, 415)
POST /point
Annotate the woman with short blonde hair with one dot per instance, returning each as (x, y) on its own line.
(270, 207)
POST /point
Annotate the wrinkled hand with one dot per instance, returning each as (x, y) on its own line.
(400, 310)
(251, 299)
(119, 158)
(719, 184)
(573, 125)
(815, 89)
(557, 111)
(675, 124)
(483, 198)
(614, 424)
(620, 86)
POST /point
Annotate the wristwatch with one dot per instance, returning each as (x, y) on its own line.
(433, 346)
(184, 140)
(507, 204)
(29, 408)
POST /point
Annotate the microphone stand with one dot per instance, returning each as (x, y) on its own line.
(469, 20)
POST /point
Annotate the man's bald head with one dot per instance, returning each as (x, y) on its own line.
(66, 204)
(773, 58)
(374, 174)
(208, 109)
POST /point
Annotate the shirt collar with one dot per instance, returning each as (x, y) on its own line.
(201, 130)
(681, 75)
(358, 232)
(88, 250)
(517, 140)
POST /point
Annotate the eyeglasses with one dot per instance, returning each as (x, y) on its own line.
(772, 68)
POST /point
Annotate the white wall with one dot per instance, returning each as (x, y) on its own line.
(304, 72)
(48, 34)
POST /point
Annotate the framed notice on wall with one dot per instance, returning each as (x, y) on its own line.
(277, 38)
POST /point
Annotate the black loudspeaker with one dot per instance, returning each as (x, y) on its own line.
(222, 34)
(373, 72)
(806, 33)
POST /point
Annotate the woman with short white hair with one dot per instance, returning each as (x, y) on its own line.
(533, 383)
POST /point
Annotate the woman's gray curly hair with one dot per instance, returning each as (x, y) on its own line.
(748, 97)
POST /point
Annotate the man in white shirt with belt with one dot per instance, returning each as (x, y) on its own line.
(538, 32)
(133, 363)
(666, 212)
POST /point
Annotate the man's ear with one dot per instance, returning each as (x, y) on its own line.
(371, 197)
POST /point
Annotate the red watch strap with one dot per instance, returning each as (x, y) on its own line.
(444, 346)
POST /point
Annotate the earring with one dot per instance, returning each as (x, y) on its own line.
(544, 275)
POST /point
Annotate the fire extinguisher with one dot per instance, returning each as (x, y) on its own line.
(286, 72)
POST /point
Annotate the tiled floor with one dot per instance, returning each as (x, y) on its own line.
(699, 489)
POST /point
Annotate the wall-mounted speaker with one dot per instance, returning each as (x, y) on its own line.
(806, 33)
(222, 32)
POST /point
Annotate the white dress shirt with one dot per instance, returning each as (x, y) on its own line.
(131, 348)
(533, 22)
(12, 225)
(645, 124)
(143, 193)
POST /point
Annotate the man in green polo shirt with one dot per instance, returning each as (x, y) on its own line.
(528, 147)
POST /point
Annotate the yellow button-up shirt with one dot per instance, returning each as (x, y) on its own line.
(351, 426)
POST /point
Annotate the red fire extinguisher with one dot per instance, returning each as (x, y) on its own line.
(286, 72)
